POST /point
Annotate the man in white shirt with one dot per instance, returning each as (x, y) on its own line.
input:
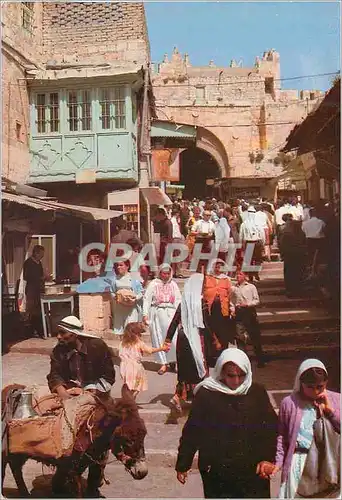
(315, 237)
(261, 219)
(300, 207)
(313, 227)
(283, 208)
(204, 231)
(296, 210)
(204, 226)
(245, 298)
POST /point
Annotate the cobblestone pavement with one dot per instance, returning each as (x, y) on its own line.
(161, 482)
(32, 369)
(162, 439)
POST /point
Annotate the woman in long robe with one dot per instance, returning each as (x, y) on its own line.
(297, 415)
(124, 314)
(233, 427)
(161, 300)
(191, 354)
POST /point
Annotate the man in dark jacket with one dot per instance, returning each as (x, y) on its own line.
(293, 250)
(33, 274)
(79, 360)
(82, 360)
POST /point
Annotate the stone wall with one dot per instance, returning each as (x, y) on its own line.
(96, 32)
(21, 50)
(15, 120)
(245, 108)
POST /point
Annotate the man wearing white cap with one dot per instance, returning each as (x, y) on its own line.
(79, 360)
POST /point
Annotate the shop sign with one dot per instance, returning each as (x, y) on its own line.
(245, 192)
(165, 164)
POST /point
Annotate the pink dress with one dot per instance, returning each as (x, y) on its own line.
(131, 369)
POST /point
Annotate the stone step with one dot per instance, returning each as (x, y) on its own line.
(292, 350)
(278, 301)
(307, 336)
(296, 319)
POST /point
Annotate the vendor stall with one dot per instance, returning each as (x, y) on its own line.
(139, 205)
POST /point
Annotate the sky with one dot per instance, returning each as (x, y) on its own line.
(306, 35)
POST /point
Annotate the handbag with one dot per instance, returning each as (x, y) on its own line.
(321, 473)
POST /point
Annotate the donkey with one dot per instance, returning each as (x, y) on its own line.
(120, 430)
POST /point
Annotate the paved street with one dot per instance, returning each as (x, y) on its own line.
(291, 332)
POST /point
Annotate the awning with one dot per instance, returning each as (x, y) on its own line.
(155, 196)
(87, 213)
(299, 168)
(169, 129)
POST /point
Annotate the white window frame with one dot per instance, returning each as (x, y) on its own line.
(112, 111)
(79, 102)
(53, 237)
(48, 112)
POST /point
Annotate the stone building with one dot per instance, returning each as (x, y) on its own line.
(73, 78)
(75, 116)
(241, 117)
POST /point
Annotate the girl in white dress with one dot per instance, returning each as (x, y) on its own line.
(161, 300)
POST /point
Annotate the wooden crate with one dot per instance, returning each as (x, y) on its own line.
(96, 312)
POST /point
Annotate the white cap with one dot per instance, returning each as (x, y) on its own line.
(73, 325)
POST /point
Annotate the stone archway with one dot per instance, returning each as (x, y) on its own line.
(209, 142)
(196, 166)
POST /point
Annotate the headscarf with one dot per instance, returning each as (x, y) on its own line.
(306, 365)
(240, 359)
(192, 318)
(165, 291)
(211, 265)
(222, 234)
(165, 267)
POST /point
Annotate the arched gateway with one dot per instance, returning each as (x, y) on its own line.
(196, 166)
(203, 156)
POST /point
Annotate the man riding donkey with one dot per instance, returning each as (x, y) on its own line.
(81, 365)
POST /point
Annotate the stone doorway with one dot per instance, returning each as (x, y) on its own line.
(196, 166)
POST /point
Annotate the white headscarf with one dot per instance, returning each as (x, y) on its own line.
(165, 267)
(192, 318)
(214, 383)
(223, 272)
(306, 365)
(222, 234)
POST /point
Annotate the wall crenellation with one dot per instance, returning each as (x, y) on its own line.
(245, 108)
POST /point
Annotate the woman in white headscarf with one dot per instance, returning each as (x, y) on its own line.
(161, 300)
(233, 427)
(298, 412)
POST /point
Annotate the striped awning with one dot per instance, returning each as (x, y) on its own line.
(82, 212)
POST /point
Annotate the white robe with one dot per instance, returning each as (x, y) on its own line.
(122, 315)
(160, 317)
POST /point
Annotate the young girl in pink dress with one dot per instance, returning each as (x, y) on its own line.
(131, 351)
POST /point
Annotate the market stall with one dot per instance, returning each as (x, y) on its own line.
(139, 205)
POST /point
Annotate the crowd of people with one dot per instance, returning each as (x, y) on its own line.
(307, 234)
(240, 440)
(207, 327)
